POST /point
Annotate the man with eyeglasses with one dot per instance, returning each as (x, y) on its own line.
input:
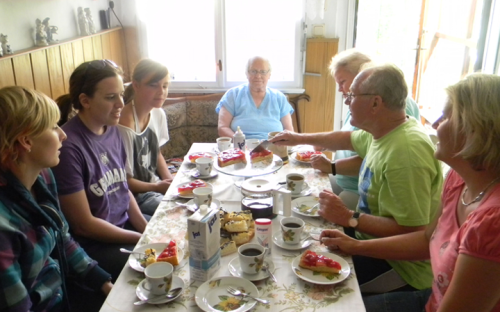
(344, 68)
(253, 106)
(399, 180)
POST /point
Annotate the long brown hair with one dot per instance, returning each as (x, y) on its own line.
(145, 68)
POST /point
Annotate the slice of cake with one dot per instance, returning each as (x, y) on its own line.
(306, 156)
(231, 157)
(228, 248)
(169, 254)
(187, 189)
(318, 263)
(236, 226)
(194, 156)
(265, 155)
(148, 258)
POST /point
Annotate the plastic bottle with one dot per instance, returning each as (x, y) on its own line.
(239, 139)
(264, 231)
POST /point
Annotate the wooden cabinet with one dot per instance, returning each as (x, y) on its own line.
(317, 114)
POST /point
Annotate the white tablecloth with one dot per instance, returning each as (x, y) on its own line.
(290, 293)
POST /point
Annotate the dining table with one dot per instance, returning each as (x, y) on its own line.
(289, 292)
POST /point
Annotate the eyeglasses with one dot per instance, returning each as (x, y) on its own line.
(350, 96)
(97, 64)
(254, 72)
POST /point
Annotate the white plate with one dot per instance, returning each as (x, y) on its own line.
(250, 170)
(159, 247)
(143, 294)
(278, 240)
(322, 278)
(190, 195)
(195, 174)
(214, 292)
(303, 205)
(186, 158)
(306, 190)
(294, 157)
(192, 207)
(235, 270)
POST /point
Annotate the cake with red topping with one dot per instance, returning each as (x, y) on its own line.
(318, 263)
(195, 156)
(265, 155)
(231, 157)
(306, 156)
(186, 190)
(169, 254)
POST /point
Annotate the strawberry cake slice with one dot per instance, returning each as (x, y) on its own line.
(169, 254)
(231, 157)
(194, 156)
(187, 189)
(265, 155)
(306, 156)
(318, 263)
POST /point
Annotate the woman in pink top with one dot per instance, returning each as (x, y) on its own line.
(463, 243)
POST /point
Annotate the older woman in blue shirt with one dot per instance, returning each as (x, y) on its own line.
(254, 107)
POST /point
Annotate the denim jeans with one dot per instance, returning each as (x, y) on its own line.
(148, 202)
(404, 301)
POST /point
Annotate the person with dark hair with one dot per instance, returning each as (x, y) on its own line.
(462, 241)
(38, 256)
(399, 180)
(143, 126)
(91, 178)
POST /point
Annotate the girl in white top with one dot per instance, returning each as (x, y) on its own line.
(143, 125)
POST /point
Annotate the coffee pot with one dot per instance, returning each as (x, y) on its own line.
(264, 199)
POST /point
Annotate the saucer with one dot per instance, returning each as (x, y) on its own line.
(235, 270)
(143, 294)
(195, 174)
(306, 190)
(133, 259)
(212, 295)
(322, 278)
(192, 207)
(304, 243)
(304, 206)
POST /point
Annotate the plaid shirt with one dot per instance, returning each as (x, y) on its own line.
(30, 276)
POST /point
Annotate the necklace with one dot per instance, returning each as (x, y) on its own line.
(478, 197)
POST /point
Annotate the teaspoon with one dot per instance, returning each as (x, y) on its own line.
(171, 294)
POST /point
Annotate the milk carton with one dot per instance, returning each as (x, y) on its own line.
(204, 243)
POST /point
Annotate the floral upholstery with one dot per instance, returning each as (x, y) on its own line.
(190, 121)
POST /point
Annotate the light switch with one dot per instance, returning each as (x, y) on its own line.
(318, 30)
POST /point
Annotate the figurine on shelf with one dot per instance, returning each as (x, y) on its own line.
(83, 23)
(4, 40)
(41, 35)
(50, 31)
(90, 20)
(1, 51)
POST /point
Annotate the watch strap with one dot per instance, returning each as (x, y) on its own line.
(334, 169)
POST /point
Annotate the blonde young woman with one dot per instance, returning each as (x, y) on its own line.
(143, 126)
(463, 242)
(38, 254)
(91, 178)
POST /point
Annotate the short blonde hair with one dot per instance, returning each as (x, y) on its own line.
(30, 113)
(474, 103)
(351, 60)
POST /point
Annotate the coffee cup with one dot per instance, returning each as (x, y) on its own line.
(291, 229)
(252, 143)
(158, 277)
(251, 257)
(295, 183)
(202, 196)
(224, 143)
(204, 165)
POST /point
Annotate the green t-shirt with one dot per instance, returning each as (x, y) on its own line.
(400, 178)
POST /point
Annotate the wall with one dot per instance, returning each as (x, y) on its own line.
(17, 18)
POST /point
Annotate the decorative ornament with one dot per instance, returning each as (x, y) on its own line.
(41, 35)
(50, 31)
(4, 39)
(90, 21)
(83, 23)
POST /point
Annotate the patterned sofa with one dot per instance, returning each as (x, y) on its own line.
(192, 118)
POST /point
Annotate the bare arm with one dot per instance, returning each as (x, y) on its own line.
(77, 211)
(225, 119)
(473, 278)
(162, 168)
(287, 123)
(336, 140)
(135, 215)
(138, 186)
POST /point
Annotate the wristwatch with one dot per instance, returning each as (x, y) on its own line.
(354, 221)
(334, 169)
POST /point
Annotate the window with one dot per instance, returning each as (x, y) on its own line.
(207, 43)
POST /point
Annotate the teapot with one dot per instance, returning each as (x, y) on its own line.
(264, 199)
